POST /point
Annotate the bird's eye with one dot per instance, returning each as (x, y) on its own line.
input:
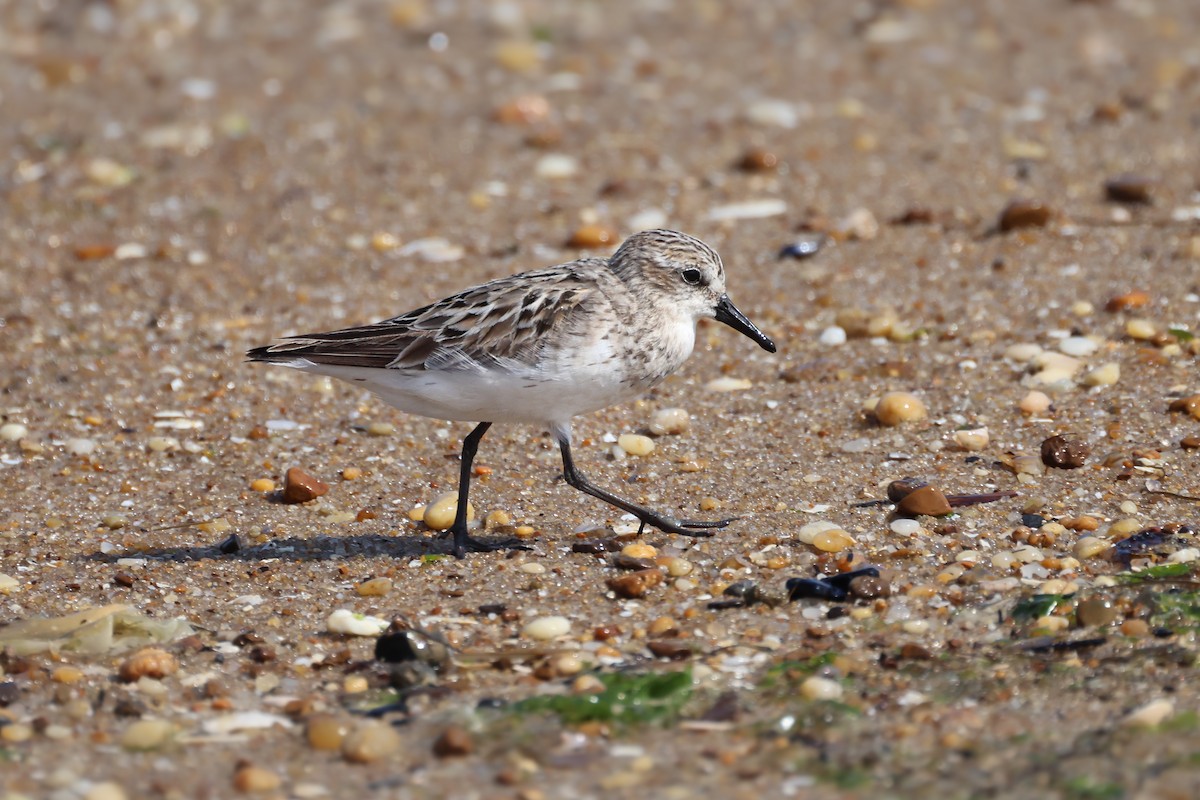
(691, 276)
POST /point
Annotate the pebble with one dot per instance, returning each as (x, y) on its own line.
(1095, 612)
(635, 584)
(679, 567)
(593, 236)
(860, 224)
(439, 515)
(381, 429)
(146, 734)
(1140, 329)
(252, 779)
(556, 166)
(1024, 214)
(370, 742)
(832, 336)
(351, 474)
(667, 421)
(533, 568)
(15, 733)
(639, 550)
(728, 385)
(750, 209)
(661, 625)
(926, 501)
(1150, 715)
(777, 113)
(1034, 403)
(375, 587)
(1129, 188)
(105, 790)
(262, 485)
(13, 431)
(833, 540)
(453, 742)
(1127, 300)
(895, 408)
(435, 250)
(162, 444)
(1078, 346)
(543, 629)
(905, 526)
(326, 731)
(818, 688)
(1104, 375)
(149, 662)
(1063, 453)
(80, 446)
(67, 675)
(972, 440)
(809, 531)
(350, 623)
(758, 159)
(1023, 352)
(1189, 405)
(300, 487)
(635, 444)
(1028, 465)
(8, 584)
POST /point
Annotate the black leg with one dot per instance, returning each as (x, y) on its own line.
(462, 542)
(645, 516)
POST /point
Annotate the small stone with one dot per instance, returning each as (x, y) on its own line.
(13, 431)
(1023, 352)
(1078, 346)
(1127, 300)
(1024, 214)
(557, 166)
(523, 109)
(635, 444)
(669, 421)
(453, 742)
(728, 384)
(326, 731)
(1104, 375)
(543, 629)
(370, 742)
(146, 734)
(1187, 443)
(860, 224)
(262, 485)
(758, 159)
(15, 733)
(439, 515)
(250, 779)
(375, 587)
(1034, 403)
(679, 567)
(972, 440)
(818, 688)
(925, 500)
(895, 408)
(300, 487)
(832, 336)
(750, 209)
(833, 540)
(635, 584)
(8, 584)
(67, 675)
(1129, 188)
(869, 587)
(661, 625)
(350, 623)
(381, 429)
(593, 236)
(1095, 612)
(1141, 329)
(639, 550)
(80, 446)
(1189, 405)
(351, 474)
(105, 790)
(149, 662)
(1150, 715)
(1062, 453)
(671, 649)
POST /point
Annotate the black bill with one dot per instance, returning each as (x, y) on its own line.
(727, 312)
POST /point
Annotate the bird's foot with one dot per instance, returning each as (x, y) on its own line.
(469, 544)
(685, 527)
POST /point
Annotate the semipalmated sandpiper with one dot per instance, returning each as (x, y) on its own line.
(540, 347)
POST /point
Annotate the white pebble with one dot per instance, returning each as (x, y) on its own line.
(544, 629)
(1151, 715)
(80, 447)
(1185, 556)
(1140, 329)
(8, 584)
(13, 431)
(1078, 346)
(728, 385)
(647, 219)
(350, 623)
(750, 209)
(635, 444)
(533, 568)
(556, 165)
(832, 336)
(1035, 403)
(972, 440)
(768, 111)
(1105, 375)
(669, 421)
(1022, 353)
(434, 249)
(905, 526)
(818, 688)
(809, 531)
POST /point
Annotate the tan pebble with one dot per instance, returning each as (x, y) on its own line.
(533, 568)
(251, 779)
(375, 587)
(351, 474)
(381, 429)
(262, 485)
(105, 790)
(8, 584)
(495, 519)
(1083, 522)
(546, 628)
(325, 731)
(523, 110)
(639, 550)
(416, 513)
(439, 515)
(521, 531)
(1089, 547)
(67, 675)
(1082, 308)
(728, 384)
(1051, 624)
(895, 408)
(300, 487)
(149, 662)
(667, 421)
(1095, 612)
(114, 522)
(1105, 375)
(587, 684)
(1137, 628)
(383, 241)
(1034, 403)
(566, 665)
(678, 567)
(1123, 528)
(925, 500)
(454, 741)
(1140, 329)
(218, 525)
(661, 625)
(635, 444)
(1150, 715)
(15, 733)
(1126, 301)
(146, 734)
(709, 504)
(1023, 352)
(972, 440)
(592, 236)
(833, 540)
(355, 684)
(1189, 405)
(818, 688)
(370, 742)
(518, 55)
(635, 584)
